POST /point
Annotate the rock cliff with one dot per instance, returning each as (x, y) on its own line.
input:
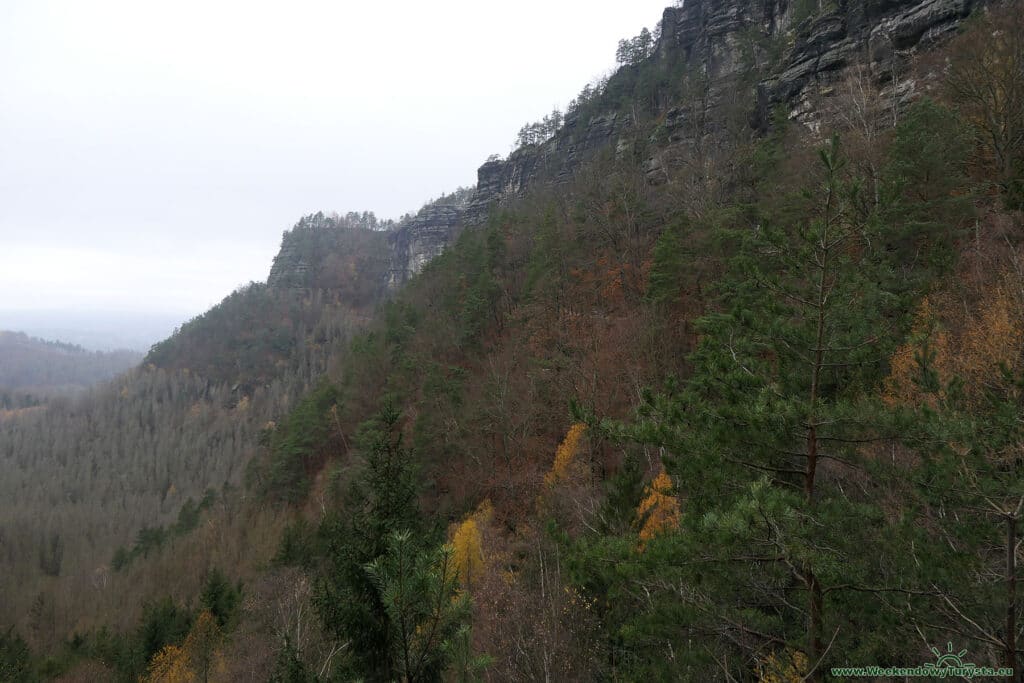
(421, 238)
(752, 54)
(734, 57)
(329, 252)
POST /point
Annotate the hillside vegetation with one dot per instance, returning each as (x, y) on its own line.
(32, 368)
(752, 421)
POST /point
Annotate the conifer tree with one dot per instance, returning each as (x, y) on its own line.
(967, 384)
(766, 440)
(425, 609)
(380, 503)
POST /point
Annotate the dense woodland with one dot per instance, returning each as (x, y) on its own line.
(750, 423)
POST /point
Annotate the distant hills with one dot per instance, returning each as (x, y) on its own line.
(95, 330)
(31, 365)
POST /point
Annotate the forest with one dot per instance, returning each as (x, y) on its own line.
(32, 369)
(755, 417)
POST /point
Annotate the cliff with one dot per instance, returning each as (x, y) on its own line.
(419, 239)
(754, 55)
(715, 61)
(329, 252)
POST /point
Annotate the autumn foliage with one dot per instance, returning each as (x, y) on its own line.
(789, 667)
(197, 660)
(949, 342)
(467, 542)
(659, 510)
(565, 454)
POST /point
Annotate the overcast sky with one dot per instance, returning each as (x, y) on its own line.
(152, 153)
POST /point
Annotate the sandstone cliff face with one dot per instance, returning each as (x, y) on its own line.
(553, 161)
(723, 46)
(420, 239)
(746, 56)
(327, 253)
(881, 35)
(302, 248)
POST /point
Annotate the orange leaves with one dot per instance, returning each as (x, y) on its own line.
(565, 454)
(170, 665)
(993, 340)
(974, 346)
(659, 510)
(904, 369)
(195, 660)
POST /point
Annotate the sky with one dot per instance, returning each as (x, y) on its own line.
(151, 154)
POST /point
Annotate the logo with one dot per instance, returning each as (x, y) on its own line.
(949, 664)
(949, 659)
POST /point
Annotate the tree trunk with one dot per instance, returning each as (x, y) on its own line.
(814, 611)
(1011, 596)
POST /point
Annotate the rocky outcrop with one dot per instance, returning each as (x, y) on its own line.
(333, 253)
(420, 239)
(880, 35)
(553, 161)
(750, 55)
(737, 58)
(302, 248)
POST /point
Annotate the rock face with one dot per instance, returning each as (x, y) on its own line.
(724, 48)
(880, 35)
(302, 248)
(741, 58)
(420, 239)
(553, 161)
(328, 252)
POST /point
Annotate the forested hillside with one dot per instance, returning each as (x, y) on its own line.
(734, 395)
(32, 368)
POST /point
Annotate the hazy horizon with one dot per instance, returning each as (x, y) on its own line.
(94, 329)
(152, 156)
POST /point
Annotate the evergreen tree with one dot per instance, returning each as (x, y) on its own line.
(380, 502)
(15, 658)
(765, 448)
(288, 667)
(970, 397)
(420, 593)
(221, 598)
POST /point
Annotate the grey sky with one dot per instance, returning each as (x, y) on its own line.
(151, 153)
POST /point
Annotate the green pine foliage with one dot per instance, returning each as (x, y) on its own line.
(288, 667)
(221, 598)
(419, 589)
(668, 269)
(379, 503)
(15, 658)
(298, 447)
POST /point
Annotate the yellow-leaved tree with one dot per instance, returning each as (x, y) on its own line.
(565, 454)
(789, 667)
(196, 661)
(659, 509)
(202, 647)
(169, 665)
(468, 544)
(973, 346)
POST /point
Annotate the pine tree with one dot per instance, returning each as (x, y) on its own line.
(420, 593)
(288, 667)
(765, 442)
(380, 502)
(967, 383)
